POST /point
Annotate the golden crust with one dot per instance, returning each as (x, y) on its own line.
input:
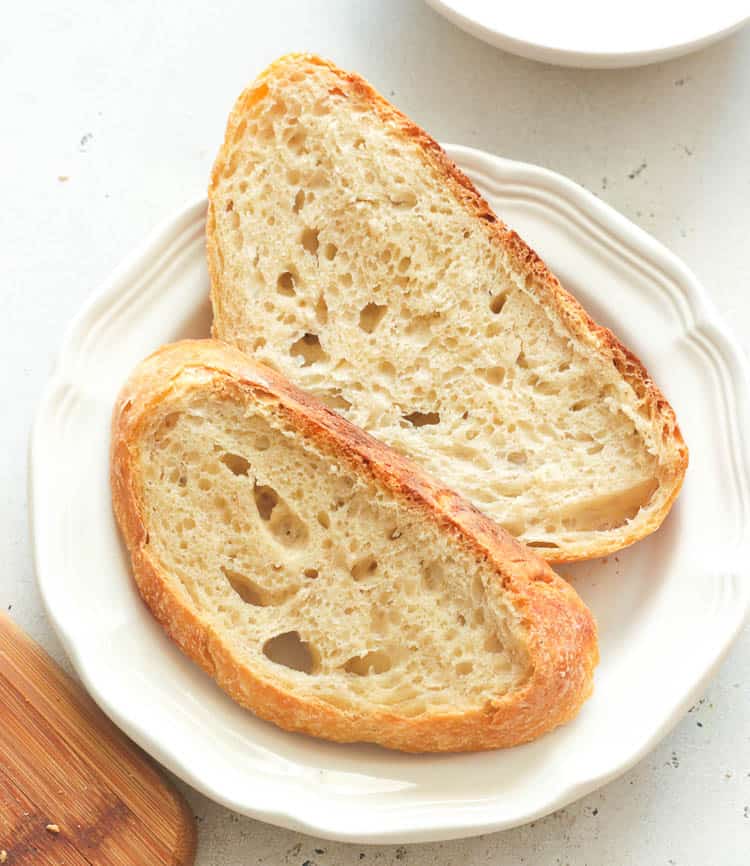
(561, 631)
(673, 456)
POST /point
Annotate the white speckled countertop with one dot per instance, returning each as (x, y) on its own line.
(111, 114)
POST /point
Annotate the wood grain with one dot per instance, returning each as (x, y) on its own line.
(62, 762)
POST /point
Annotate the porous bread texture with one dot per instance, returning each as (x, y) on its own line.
(322, 579)
(318, 577)
(348, 253)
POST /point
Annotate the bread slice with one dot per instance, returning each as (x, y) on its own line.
(348, 252)
(322, 579)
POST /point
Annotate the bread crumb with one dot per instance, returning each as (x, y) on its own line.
(52, 828)
(3, 856)
(63, 177)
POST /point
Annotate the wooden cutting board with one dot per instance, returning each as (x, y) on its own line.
(74, 791)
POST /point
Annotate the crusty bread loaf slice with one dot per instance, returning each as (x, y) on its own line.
(349, 253)
(323, 580)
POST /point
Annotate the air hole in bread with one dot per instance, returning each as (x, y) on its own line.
(403, 199)
(544, 545)
(433, 575)
(236, 463)
(364, 568)
(464, 668)
(579, 405)
(477, 591)
(288, 649)
(285, 284)
(403, 265)
(229, 205)
(286, 527)
(346, 281)
(296, 141)
(564, 367)
(334, 400)
(309, 349)
(299, 201)
(378, 621)
(311, 573)
(371, 315)
(548, 388)
(493, 644)
(266, 499)
(518, 458)
(495, 375)
(246, 588)
(595, 448)
(521, 360)
(375, 662)
(422, 419)
(497, 302)
(412, 708)
(309, 240)
(386, 368)
(166, 426)
(329, 251)
(343, 486)
(321, 310)
(262, 443)
(318, 179)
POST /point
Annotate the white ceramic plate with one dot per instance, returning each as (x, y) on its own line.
(668, 608)
(592, 33)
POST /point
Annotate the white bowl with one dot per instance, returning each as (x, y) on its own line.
(592, 33)
(668, 608)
